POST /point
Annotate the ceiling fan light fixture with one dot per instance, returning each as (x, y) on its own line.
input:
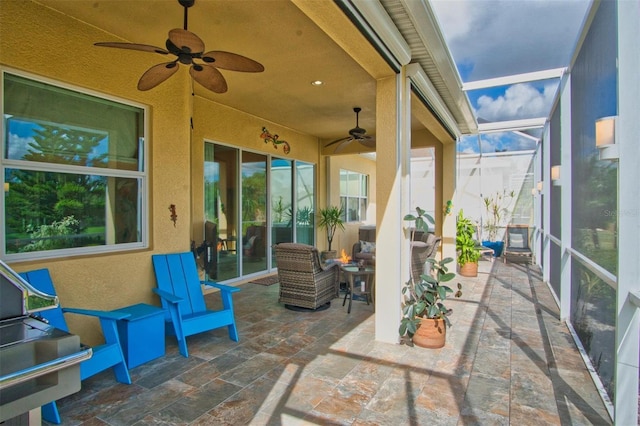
(357, 134)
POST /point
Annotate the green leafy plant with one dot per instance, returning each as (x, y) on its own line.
(465, 243)
(330, 218)
(57, 235)
(497, 208)
(424, 298)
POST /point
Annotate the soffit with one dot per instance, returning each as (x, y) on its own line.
(429, 50)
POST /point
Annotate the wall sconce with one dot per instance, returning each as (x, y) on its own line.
(539, 186)
(606, 138)
(534, 191)
(6, 187)
(555, 175)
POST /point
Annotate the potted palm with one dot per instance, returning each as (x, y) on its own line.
(424, 315)
(330, 219)
(497, 210)
(466, 249)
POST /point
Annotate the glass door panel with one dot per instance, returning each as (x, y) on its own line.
(281, 183)
(305, 203)
(220, 199)
(254, 213)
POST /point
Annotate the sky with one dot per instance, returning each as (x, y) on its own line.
(497, 38)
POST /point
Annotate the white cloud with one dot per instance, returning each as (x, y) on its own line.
(493, 38)
(519, 101)
(18, 146)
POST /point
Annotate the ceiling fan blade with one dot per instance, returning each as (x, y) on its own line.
(133, 46)
(232, 61)
(342, 145)
(186, 39)
(209, 77)
(337, 141)
(368, 141)
(156, 75)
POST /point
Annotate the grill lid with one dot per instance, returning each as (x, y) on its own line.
(18, 297)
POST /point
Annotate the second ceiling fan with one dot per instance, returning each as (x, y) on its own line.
(357, 134)
(189, 50)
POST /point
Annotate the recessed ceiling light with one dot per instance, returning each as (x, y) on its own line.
(317, 83)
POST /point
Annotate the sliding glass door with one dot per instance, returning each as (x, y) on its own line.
(252, 202)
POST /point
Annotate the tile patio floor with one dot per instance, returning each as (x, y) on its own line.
(508, 360)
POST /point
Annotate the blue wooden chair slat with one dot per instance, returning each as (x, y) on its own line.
(107, 355)
(180, 291)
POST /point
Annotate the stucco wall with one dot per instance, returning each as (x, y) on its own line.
(51, 45)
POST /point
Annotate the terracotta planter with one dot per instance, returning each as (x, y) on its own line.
(431, 334)
(469, 269)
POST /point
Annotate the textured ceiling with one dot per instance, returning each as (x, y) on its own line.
(293, 50)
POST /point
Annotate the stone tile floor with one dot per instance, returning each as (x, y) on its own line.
(508, 360)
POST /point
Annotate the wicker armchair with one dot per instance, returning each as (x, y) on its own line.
(304, 281)
(421, 250)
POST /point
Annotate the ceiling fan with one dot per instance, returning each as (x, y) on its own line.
(356, 134)
(189, 50)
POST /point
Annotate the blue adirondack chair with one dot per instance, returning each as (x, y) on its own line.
(179, 288)
(104, 356)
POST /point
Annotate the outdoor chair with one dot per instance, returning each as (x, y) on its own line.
(180, 290)
(107, 355)
(365, 248)
(517, 243)
(421, 250)
(304, 281)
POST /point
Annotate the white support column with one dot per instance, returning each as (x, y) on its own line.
(392, 192)
(545, 199)
(537, 206)
(565, 198)
(627, 137)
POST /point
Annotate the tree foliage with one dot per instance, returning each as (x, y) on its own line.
(41, 202)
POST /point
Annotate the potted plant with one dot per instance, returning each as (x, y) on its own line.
(468, 253)
(330, 219)
(424, 316)
(497, 209)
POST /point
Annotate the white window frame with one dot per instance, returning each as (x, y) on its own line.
(362, 216)
(142, 175)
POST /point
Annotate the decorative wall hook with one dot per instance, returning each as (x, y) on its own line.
(174, 215)
(268, 137)
(448, 207)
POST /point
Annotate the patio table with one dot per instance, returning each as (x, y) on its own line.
(353, 271)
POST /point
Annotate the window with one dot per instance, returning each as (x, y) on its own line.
(72, 170)
(354, 188)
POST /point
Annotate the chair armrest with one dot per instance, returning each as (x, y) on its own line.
(328, 267)
(167, 296)
(221, 287)
(100, 314)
